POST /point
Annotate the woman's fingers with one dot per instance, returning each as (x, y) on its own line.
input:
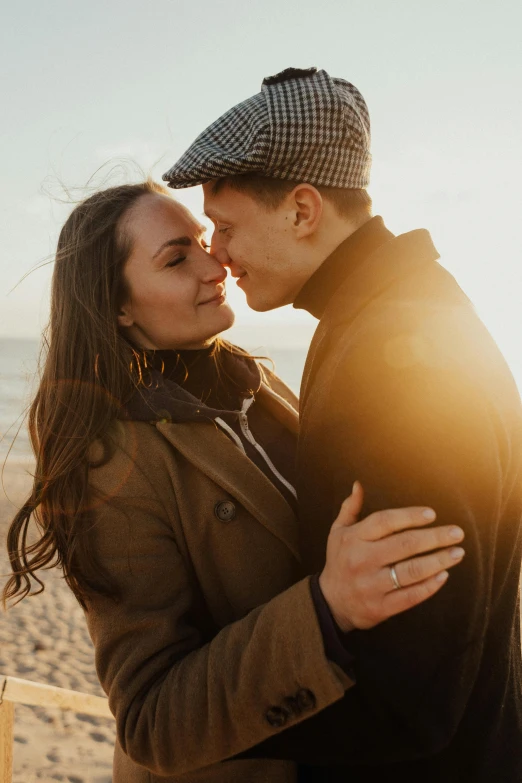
(403, 546)
(400, 600)
(410, 572)
(351, 508)
(381, 524)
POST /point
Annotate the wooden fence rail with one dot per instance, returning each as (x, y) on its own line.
(14, 691)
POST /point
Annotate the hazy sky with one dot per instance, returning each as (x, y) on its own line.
(84, 83)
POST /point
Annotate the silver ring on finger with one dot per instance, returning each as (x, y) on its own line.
(395, 579)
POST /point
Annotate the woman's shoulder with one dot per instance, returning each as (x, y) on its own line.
(130, 454)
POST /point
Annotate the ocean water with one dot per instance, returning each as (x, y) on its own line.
(18, 381)
(18, 362)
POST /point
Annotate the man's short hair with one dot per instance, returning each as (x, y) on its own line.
(348, 202)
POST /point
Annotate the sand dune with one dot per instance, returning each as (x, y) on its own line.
(44, 639)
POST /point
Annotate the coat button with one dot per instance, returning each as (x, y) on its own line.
(276, 716)
(225, 511)
(292, 706)
(306, 699)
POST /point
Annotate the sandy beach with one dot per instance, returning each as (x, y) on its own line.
(44, 639)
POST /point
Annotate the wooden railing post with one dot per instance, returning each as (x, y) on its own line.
(15, 691)
(6, 741)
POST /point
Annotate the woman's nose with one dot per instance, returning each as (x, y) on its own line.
(214, 271)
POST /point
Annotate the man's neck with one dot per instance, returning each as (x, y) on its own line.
(334, 234)
(343, 260)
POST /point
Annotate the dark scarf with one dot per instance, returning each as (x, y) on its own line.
(186, 385)
(182, 386)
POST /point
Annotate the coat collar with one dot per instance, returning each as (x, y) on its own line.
(391, 261)
(180, 386)
(345, 259)
(212, 452)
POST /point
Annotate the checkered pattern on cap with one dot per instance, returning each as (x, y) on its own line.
(304, 125)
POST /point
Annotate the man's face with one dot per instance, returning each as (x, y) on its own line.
(257, 244)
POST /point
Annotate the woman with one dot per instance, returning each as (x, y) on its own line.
(164, 489)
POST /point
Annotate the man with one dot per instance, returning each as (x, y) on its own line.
(404, 390)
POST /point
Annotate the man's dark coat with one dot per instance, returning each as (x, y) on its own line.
(405, 390)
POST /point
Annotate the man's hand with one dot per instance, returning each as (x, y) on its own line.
(357, 580)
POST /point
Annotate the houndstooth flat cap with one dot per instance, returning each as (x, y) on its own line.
(303, 126)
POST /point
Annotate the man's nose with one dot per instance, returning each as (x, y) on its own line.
(222, 256)
(218, 251)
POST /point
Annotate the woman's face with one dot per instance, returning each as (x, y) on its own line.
(176, 290)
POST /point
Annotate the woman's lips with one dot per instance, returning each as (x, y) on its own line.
(216, 300)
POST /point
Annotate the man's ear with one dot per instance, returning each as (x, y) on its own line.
(308, 209)
(125, 318)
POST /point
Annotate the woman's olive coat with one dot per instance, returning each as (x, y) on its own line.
(213, 645)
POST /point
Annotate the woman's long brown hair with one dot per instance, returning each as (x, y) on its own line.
(87, 370)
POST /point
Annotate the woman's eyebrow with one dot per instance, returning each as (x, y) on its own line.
(178, 241)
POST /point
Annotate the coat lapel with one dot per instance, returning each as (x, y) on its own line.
(280, 408)
(212, 452)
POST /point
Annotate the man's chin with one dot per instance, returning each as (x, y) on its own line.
(258, 300)
(262, 304)
(256, 306)
(259, 305)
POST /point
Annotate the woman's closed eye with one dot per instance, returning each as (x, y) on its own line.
(175, 261)
(183, 257)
